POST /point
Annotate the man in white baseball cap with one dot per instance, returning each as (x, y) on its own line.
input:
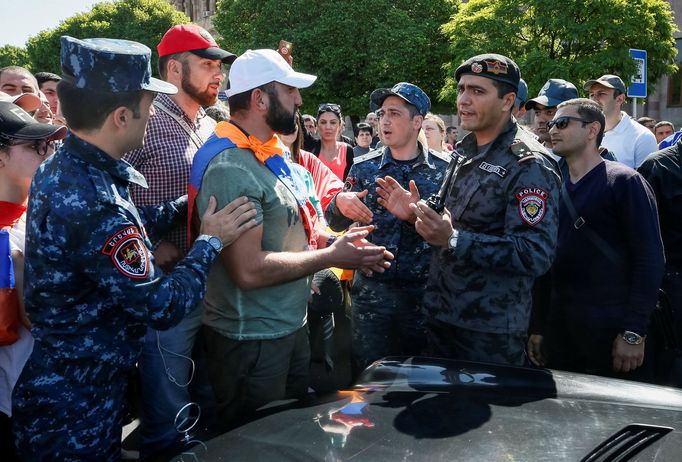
(255, 306)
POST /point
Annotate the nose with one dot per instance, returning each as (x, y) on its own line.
(298, 100)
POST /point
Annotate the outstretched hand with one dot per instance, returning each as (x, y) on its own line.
(397, 199)
(351, 206)
(352, 250)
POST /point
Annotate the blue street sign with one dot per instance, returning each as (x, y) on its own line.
(637, 88)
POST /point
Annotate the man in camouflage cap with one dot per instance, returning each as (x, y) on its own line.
(387, 307)
(92, 286)
(498, 230)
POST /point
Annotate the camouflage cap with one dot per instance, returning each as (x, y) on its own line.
(109, 65)
(491, 66)
(411, 93)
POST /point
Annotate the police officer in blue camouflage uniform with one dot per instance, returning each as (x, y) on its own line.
(387, 314)
(499, 228)
(91, 286)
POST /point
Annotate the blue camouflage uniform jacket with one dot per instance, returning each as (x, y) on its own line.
(91, 287)
(411, 252)
(504, 205)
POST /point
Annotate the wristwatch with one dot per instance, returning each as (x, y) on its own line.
(214, 241)
(632, 338)
(452, 240)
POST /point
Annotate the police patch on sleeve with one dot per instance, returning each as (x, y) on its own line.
(350, 182)
(532, 205)
(128, 253)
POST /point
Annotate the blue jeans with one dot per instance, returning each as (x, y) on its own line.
(165, 388)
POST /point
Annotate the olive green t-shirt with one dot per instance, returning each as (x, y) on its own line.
(270, 312)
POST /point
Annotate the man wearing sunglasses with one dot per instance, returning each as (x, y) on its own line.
(498, 230)
(609, 258)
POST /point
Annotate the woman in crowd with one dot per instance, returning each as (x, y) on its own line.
(337, 155)
(434, 128)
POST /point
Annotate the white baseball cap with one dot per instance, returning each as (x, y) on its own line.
(258, 67)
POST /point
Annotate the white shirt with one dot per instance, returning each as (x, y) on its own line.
(630, 141)
(13, 357)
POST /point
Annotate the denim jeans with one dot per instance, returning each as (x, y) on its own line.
(164, 378)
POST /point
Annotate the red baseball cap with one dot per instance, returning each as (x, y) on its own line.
(196, 40)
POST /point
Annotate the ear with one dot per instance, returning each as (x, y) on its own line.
(508, 102)
(120, 116)
(174, 67)
(3, 158)
(259, 99)
(621, 99)
(417, 121)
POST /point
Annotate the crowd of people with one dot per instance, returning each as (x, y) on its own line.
(151, 231)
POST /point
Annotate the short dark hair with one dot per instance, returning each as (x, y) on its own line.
(43, 77)
(98, 106)
(363, 127)
(20, 70)
(588, 110)
(503, 88)
(450, 129)
(242, 101)
(163, 62)
(663, 123)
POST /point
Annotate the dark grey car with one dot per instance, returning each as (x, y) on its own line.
(424, 409)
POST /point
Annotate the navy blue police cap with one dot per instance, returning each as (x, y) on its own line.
(109, 65)
(491, 66)
(409, 92)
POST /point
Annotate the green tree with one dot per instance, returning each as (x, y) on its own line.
(353, 47)
(571, 39)
(143, 21)
(11, 55)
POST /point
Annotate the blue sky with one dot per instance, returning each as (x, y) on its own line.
(20, 19)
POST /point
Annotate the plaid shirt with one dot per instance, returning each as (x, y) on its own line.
(165, 160)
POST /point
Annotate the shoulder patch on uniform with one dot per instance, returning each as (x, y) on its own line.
(350, 182)
(490, 168)
(532, 205)
(128, 253)
(369, 155)
(441, 155)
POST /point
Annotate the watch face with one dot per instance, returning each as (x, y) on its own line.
(215, 242)
(632, 338)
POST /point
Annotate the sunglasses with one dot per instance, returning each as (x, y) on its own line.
(563, 121)
(329, 107)
(41, 147)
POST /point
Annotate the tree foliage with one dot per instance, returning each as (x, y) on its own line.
(353, 47)
(571, 39)
(143, 21)
(11, 55)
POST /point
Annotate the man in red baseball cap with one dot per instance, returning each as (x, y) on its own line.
(190, 59)
(195, 39)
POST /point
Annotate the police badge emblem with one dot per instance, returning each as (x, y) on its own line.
(128, 253)
(532, 205)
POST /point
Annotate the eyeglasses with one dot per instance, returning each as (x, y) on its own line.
(41, 147)
(563, 121)
(329, 107)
